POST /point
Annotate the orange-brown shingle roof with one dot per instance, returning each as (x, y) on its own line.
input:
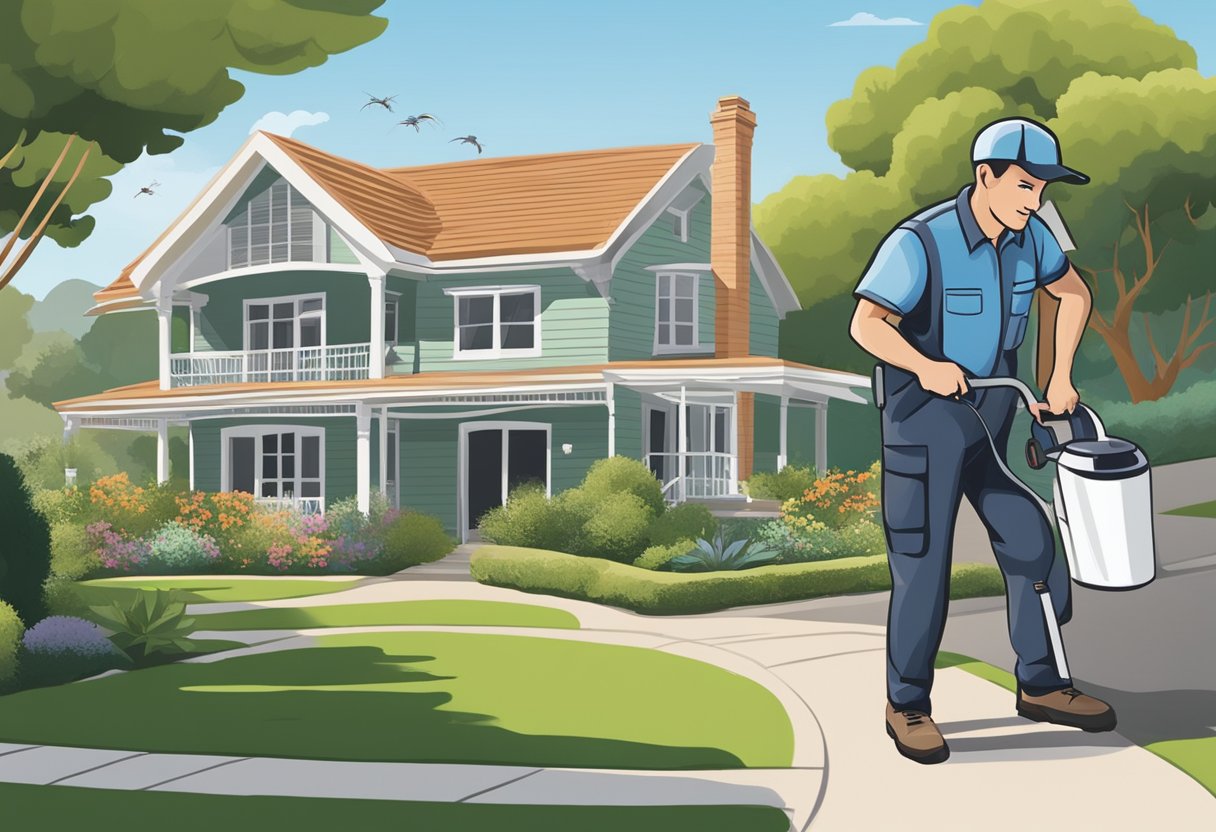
(482, 207)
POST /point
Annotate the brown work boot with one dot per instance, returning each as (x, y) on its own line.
(1067, 707)
(915, 735)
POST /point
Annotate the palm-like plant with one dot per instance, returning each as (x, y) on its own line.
(720, 555)
(152, 622)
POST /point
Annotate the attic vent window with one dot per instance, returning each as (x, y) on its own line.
(276, 226)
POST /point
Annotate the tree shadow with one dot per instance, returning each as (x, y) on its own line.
(237, 707)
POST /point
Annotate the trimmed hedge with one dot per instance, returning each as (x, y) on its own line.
(11, 630)
(681, 593)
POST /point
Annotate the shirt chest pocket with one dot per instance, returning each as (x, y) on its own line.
(1023, 293)
(964, 301)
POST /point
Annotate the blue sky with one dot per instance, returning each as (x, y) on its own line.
(537, 76)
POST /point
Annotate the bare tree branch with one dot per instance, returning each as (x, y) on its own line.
(1157, 358)
(29, 210)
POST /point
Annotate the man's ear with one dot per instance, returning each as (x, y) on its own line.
(983, 173)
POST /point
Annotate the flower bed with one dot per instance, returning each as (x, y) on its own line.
(124, 529)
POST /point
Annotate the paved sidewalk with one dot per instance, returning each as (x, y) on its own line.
(846, 774)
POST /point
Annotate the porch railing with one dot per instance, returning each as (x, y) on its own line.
(701, 474)
(337, 362)
(304, 505)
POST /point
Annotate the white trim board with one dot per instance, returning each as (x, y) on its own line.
(462, 455)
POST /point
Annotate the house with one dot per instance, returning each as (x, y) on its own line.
(442, 333)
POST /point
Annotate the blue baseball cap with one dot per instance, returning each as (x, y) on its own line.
(1027, 144)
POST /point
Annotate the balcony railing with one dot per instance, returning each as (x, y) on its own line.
(705, 474)
(304, 505)
(337, 362)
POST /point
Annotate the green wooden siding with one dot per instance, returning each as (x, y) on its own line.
(429, 453)
(339, 451)
(628, 412)
(573, 326)
(347, 306)
(631, 326)
(762, 319)
(404, 357)
(339, 251)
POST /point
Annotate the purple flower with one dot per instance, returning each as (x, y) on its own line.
(66, 634)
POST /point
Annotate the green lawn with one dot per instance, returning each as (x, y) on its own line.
(426, 697)
(64, 807)
(1207, 509)
(467, 613)
(200, 589)
(1196, 756)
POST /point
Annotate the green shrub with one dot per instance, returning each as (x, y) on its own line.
(670, 593)
(73, 554)
(790, 481)
(412, 538)
(975, 580)
(62, 597)
(862, 537)
(11, 630)
(147, 623)
(659, 555)
(178, 548)
(529, 518)
(683, 522)
(62, 505)
(1174, 428)
(615, 474)
(25, 548)
(618, 527)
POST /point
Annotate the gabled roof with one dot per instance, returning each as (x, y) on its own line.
(514, 205)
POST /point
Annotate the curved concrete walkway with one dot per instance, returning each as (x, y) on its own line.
(1004, 771)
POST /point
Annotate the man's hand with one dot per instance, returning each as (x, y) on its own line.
(1062, 398)
(945, 378)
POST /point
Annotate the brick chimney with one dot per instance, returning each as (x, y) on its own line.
(730, 247)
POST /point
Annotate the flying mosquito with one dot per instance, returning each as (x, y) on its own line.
(416, 121)
(468, 140)
(386, 102)
(147, 189)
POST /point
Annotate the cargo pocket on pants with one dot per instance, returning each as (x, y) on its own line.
(905, 487)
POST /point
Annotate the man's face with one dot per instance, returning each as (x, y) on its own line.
(1013, 197)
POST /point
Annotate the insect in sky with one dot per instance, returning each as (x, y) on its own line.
(385, 102)
(469, 140)
(415, 121)
(147, 189)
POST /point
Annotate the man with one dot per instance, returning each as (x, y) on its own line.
(961, 276)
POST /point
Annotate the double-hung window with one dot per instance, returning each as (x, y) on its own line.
(496, 321)
(276, 226)
(675, 323)
(392, 307)
(285, 338)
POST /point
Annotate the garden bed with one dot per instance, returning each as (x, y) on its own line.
(672, 593)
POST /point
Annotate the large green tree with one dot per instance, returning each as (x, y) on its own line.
(87, 86)
(907, 131)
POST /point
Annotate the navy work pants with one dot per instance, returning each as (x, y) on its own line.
(934, 452)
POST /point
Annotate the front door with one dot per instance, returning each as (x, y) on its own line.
(496, 460)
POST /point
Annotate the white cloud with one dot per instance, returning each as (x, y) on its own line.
(285, 124)
(867, 19)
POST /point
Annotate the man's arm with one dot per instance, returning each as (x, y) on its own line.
(1072, 314)
(875, 334)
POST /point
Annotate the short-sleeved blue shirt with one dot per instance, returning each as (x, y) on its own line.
(985, 291)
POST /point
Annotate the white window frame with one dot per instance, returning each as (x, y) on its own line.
(463, 429)
(659, 347)
(496, 292)
(680, 227)
(392, 299)
(256, 432)
(295, 336)
(318, 247)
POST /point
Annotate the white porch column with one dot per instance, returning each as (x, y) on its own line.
(611, 421)
(376, 280)
(162, 451)
(383, 451)
(164, 322)
(190, 442)
(821, 438)
(363, 457)
(69, 433)
(682, 440)
(782, 451)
